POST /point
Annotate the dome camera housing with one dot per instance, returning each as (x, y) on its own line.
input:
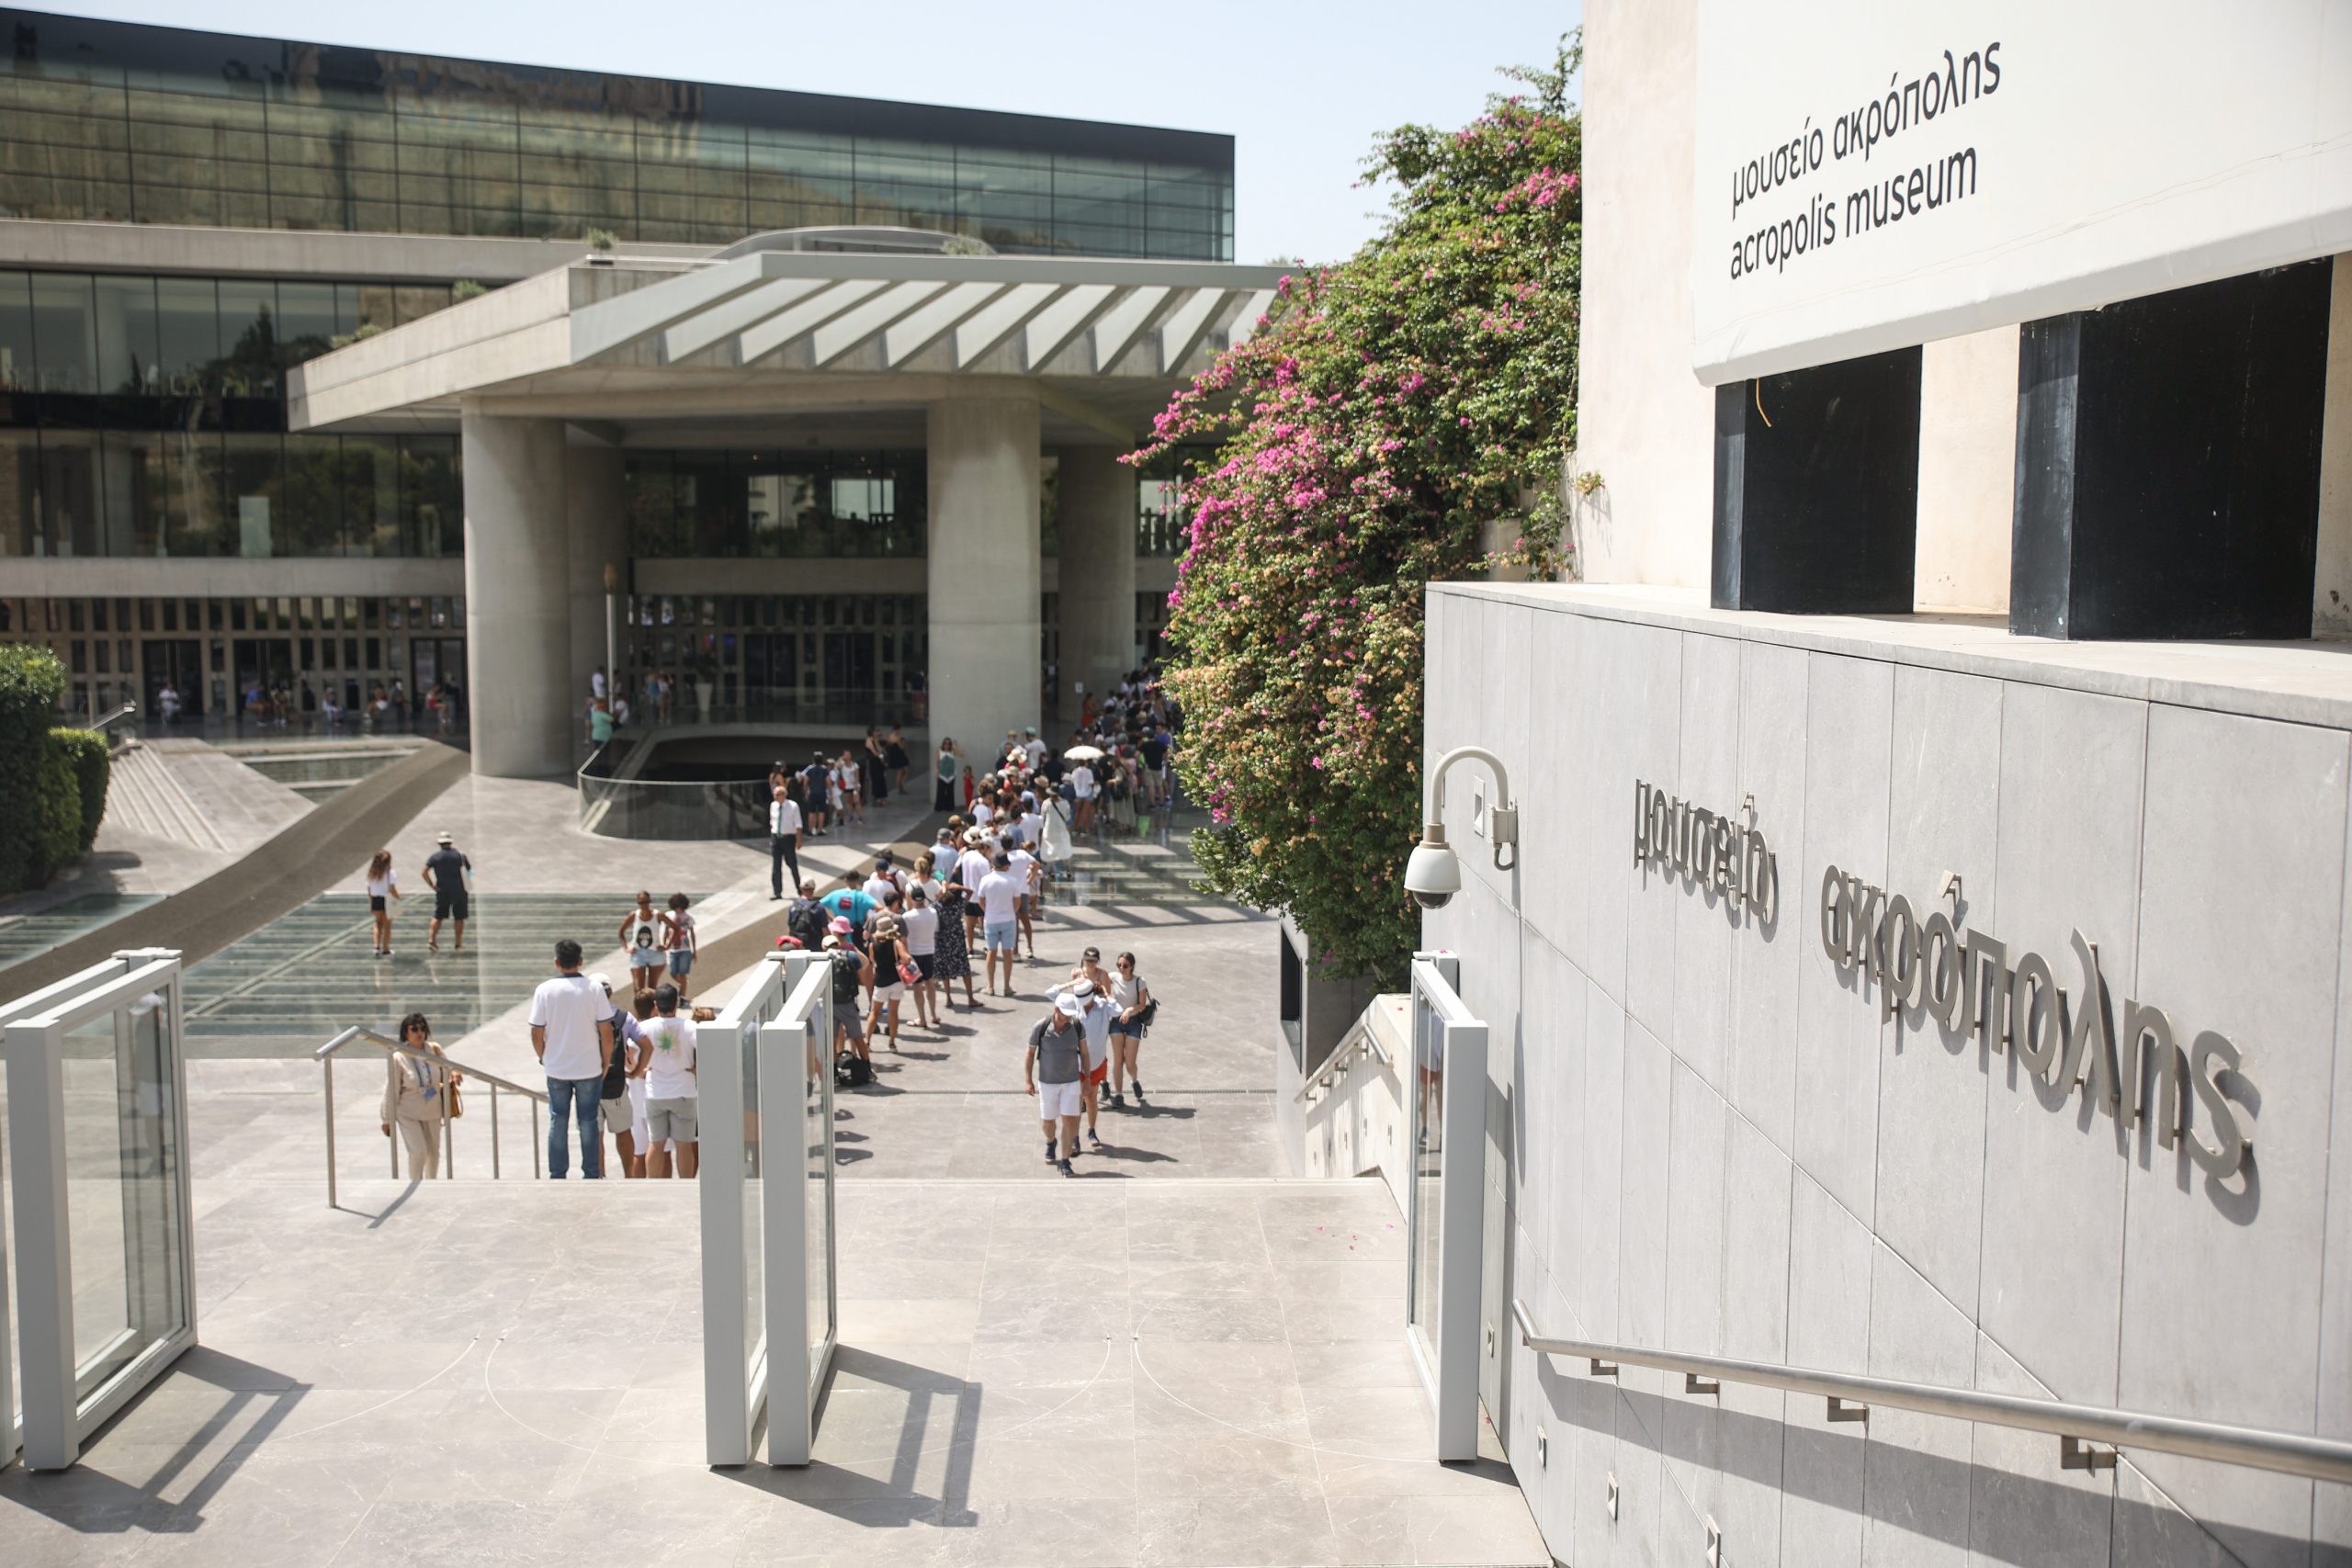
(1432, 875)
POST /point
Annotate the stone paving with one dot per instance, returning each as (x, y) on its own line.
(1204, 1368)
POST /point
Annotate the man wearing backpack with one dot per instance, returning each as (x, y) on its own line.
(807, 920)
(1052, 1068)
(853, 978)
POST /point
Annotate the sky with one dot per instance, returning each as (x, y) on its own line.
(1302, 88)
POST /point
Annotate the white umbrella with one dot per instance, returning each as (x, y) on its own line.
(1083, 754)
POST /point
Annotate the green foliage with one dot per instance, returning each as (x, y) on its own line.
(57, 813)
(466, 288)
(32, 681)
(1392, 406)
(86, 753)
(601, 241)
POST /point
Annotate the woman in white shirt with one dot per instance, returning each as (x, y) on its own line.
(383, 884)
(920, 929)
(671, 1096)
(1129, 999)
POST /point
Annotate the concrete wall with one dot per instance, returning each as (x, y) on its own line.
(1704, 1137)
(1643, 422)
(1096, 513)
(518, 599)
(983, 571)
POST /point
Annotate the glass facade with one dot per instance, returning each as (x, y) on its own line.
(106, 121)
(146, 416)
(811, 657)
(213, 649)
(774, 504)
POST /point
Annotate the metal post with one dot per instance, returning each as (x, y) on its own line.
(449, 1143)
(539, 1170)
(493, 1130)
(328, 1063)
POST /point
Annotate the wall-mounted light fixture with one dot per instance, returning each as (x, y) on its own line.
(1432, 875)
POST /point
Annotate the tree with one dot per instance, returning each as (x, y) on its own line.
(1393, 405)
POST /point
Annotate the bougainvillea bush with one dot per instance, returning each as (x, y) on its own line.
(1392, 407)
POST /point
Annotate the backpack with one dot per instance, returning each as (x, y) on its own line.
(846, 967)
(1150, 1013)
(807, 922)
(852, 1070)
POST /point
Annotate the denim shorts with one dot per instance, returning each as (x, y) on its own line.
(682, 960)
(1003, 936)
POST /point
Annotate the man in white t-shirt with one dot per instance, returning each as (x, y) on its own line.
(783, 843)
(972, 866)
(881, 884)
(572, 1034)
(999, 901)
(1026, 870)
(671, 1098)
(1082, 788)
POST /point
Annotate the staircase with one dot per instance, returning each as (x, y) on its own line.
(144, 797)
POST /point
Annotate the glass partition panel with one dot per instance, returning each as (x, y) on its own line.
(96, 1134)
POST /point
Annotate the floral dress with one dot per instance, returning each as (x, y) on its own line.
(951, 959)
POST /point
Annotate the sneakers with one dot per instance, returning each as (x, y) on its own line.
(1094, 1139)
(1064, 1167)
(1050, 1151)
(1118, 1101)
(1136, 1085)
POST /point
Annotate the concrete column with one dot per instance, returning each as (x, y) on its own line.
(518, 599)
(984, 578)
(1095, 508)
(599, 536)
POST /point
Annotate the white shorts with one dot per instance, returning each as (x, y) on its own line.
(1056, 1100)
(637, 1113)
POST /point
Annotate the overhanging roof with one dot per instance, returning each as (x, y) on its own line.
(1105, 342)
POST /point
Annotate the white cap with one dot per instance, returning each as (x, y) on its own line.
(598, 979)
(1067, 1007)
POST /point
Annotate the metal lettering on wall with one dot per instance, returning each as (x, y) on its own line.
(1714, 851)
(1962, 979)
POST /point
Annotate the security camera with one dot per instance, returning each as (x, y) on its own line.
(1432, 875)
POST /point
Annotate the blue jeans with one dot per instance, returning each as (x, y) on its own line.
(574, 1100)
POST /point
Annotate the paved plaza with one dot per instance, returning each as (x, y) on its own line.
(1177, 1358)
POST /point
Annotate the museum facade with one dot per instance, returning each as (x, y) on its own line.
(189, 220)
(1923, 957)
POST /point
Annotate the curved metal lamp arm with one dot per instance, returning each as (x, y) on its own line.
(1502, 819)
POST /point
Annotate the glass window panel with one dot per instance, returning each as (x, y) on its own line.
(193, 480)
(18, 366)
(69, 491)
(432, 498)
(132, 494)
(188, 313)
(19, 503)
(126, 325)
(311, 315)
(649, 501)
(310, 521)
(255, 476)
(371, 494)
(249, 338)
(367, 304)
(64, 342)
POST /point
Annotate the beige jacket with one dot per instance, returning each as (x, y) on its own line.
(405, 1096)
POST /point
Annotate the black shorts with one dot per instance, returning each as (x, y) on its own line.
(926, 965)
(449, 904)
(376, 903)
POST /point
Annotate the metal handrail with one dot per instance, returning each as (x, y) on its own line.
(326, 1054)
(1358, 1042)
(125, 710)
(1851, 1396)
